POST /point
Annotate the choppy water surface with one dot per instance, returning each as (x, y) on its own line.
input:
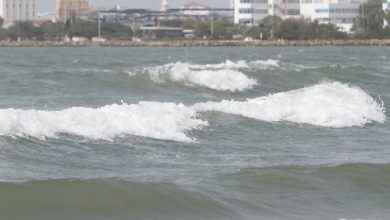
(195, 133)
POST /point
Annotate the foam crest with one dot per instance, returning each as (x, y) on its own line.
(225, 76)
(265, 64)
(208, 76)
(166, 121)
(327, 104)
(228, 64)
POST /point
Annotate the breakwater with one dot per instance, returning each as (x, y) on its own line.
(199, 43)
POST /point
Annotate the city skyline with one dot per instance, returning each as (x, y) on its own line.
(49, 6)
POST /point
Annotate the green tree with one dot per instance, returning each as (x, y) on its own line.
(52, 31)
(371, 21)
(328, 31)
(82, 29)
(202, 29)
(223, 29)
(171, 23)
(22, 30)
(300, 29)
(116, 31)
(290, 29)
(265, 28)
(89, 29)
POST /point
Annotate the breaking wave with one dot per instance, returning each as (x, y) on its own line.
(225, 76)
(326, 104)
(329, 104)
(265, 64)
(166, 121)
(221, 77)
(228, 64)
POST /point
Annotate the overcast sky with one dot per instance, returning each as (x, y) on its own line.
(48, 5)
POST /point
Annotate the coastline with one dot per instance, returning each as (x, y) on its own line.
(199, 43)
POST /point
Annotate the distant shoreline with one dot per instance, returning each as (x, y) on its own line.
(198, 43)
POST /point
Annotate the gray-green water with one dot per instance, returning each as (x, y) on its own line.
(194, 133)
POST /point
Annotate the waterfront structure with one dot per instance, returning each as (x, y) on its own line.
(386, 8)
(66, 9)
(17, 10)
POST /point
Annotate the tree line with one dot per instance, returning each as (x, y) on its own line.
(26, 30)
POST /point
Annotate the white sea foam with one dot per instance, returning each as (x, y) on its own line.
(150, 119)
(225, 76)
(329, 104)
(228, 64)
(265, 64)
(241, 64)
(326, 104)
(209, 76)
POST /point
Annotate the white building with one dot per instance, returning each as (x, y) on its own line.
(18, 10)
(386, 8)
(342, 13)
(250, 12)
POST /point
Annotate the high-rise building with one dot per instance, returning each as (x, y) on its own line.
(18, 10)
(66, 9)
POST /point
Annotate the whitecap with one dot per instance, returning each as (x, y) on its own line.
(224, 76)
(228, 64)
(166, 121)
(265, 64)
(204, 76)
(330, 104)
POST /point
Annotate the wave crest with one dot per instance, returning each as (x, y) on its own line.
(166, 121)
(221, 77)
(326, 104)
(225, 76)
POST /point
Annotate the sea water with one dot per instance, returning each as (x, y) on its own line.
(234, 133)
